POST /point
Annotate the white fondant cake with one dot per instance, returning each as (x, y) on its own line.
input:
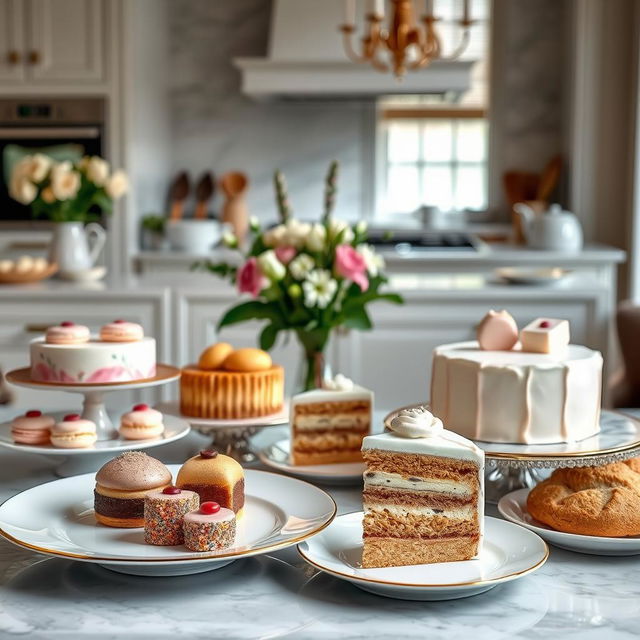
(93, 362)
(515, 396)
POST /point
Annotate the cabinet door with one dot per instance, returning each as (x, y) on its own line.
(65, 40)
(11, 41)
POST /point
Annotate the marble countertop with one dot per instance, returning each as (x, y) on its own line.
(274, 596)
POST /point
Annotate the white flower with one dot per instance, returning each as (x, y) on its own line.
(296, 233)
(97, 170)
(271, 266)
(65, 182)
(372, 260)
(22, 189)
(274, 237)
(301, 266)
(47, 195)
(319, 288)
(117, 184)
(316, 238)
(361, 227)
(336, 227)
(229, 240)
(254, 223)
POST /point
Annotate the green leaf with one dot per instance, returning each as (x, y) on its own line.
(252, 310)
(268, 336)
(358, 318)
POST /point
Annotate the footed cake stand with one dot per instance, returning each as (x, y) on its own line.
(518, 466)
(93, 406)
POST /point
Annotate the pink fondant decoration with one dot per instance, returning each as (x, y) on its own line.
(497, 331)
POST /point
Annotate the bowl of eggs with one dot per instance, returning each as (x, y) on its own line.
(26, 269)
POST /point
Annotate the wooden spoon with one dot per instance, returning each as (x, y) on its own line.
(178, 193)
(234, 183)
(204, 193)
(549, 178)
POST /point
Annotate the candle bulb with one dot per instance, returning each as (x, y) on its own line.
(376, 7)
(430, 8)
(350, 12)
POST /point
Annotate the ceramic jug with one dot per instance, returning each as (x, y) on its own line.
(75, 247)
(553, 230)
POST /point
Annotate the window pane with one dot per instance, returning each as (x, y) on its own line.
(437, 187)
(437, 141)
(403, 142)
(471, 141)
(470, 188)
(403, 192)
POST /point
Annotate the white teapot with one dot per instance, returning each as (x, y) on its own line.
(553, 230)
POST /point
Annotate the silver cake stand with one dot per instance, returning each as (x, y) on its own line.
(93, 407)
(518, 466)
(230, 437)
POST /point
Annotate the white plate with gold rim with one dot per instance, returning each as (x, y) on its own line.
(273, 446)
(509, 552)
(57, 519)
(513, 507)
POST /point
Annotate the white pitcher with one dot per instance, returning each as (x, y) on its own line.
(75, 247)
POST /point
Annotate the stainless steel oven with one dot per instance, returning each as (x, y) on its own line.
(65, 128)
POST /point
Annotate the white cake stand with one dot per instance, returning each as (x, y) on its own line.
(230, 437)
(517, 466)
(93, 406)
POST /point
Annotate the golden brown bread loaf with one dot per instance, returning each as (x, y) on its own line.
(593, 501)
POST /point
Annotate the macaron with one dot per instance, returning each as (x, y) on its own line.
(67, 333)
(121, 331)
(247, 360)
(141, 423)
(32, 428)
(121, 487)
(212, 357)
(73, 432)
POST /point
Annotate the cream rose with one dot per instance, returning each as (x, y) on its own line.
(317, 237)
(48, 195)
(271, 266)
(117, 185)
(23, 190)
(98, 171)
(65, 182)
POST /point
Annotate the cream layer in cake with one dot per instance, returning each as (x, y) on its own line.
(423, 495)
(327, 426)
(516, 396)
(93, 362)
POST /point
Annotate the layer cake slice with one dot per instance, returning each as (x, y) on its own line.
(423, 494)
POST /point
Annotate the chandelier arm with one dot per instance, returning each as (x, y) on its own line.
(347, 39)
(459, 50)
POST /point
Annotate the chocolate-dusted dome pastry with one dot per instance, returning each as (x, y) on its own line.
(214, 477)
(121, 485)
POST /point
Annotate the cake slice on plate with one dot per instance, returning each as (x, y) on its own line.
(328, 424)
(423, 494)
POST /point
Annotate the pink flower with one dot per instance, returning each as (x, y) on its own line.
(351, 265)
(108, 374)
(250, 278)
(43, 373)
(65, 377)
(286, 254)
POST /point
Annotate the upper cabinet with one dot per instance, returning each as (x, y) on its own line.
(52, 41)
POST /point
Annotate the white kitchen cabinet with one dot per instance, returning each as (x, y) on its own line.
(44, 42)
(12, 41)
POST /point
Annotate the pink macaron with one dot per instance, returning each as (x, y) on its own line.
(73, 432)
(121, 331)
(32, 428)
(68, 333)
(141, 423)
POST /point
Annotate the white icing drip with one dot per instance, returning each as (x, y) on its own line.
(416, 423)
(338, 383)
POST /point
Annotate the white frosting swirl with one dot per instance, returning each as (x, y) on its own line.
(338, 383)
(416, 423)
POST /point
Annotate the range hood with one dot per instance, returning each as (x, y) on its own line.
(306, 59)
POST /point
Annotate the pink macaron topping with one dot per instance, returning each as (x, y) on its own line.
(33, 413)
(141, 407)
(66, 323)
(71, 417)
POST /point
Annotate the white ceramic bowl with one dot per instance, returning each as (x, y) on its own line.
(193, 236)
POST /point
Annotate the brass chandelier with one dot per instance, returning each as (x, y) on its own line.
(409, 46)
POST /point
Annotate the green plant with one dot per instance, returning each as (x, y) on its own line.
(153, 223)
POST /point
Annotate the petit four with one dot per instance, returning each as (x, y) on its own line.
(497, 331)
(516, 396)
(67, 333)
(121, 331)
(216, 477)
(423, 494)
(328, 424)
(591, 501)
(229, 385)
(121, 486)
(89, 361)
(73, 432)
(545, 335)
(164, 512)
(32, 428)
(210, 528)
(141, 423)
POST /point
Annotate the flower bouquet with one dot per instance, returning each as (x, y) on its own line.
(305, 278)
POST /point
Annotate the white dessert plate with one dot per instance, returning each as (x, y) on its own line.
(513, 507)
(509, 552)
(272, 447)
(57, 519)
(174, 429)
(205, 425)
(532, 277)
(84, 275)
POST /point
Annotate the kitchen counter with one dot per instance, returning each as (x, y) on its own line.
(571, 596)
